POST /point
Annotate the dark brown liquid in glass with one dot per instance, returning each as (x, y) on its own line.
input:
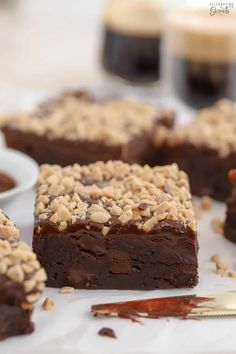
(132, 57)
(200, 84)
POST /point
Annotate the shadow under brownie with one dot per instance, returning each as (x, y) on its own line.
(116, 226)
(205, 149)
(74, 129)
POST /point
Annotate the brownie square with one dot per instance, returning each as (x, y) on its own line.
(115, 226)
(74, 129)
(230, 222)
(21, 281)
(205, 149)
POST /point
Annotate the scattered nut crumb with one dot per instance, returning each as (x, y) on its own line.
(215, 258)
(206, 203)
(48, 304)
(67, 290)
(231, 274)
(221, 268)
(217, 226)
(108, 332)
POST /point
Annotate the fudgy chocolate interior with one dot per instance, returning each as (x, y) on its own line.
(124, 259)
(230, 221)
(14, 318)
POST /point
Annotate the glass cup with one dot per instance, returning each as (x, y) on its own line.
(200, 49)
(132, 36)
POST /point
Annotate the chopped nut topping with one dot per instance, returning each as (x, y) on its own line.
(123, 193)
(115, 121)
(8, 231)
(214, 127)
(217, 226)
(32, 297)
(17, 262)
(15, 273)
(126, 216)
(206, 203)
(67, 290)
(100, 217)
(48, 304)
(105, 230)
(115, 210)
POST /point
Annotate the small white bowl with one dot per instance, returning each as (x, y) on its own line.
(22, 168)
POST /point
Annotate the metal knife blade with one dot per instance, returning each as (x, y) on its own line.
(188, 306)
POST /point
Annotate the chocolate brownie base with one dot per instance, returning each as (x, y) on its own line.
(124, 259)
(207, 171)
(65, 152)
(230, 227)
(14, 321)
(230, 222)
(15, 313)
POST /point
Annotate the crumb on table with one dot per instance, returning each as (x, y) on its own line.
(107, 332)
(206, 202)
(221, 268)
(67, 290)
(215, 258)
(217, 226)
(231, 274)
(48, 304)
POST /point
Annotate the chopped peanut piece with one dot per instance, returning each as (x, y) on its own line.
(206, 203)
(231, 274)
(217, 226)
(67, 290)
(48, 304)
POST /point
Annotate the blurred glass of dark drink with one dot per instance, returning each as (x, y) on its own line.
(132, 36)
(202, 53)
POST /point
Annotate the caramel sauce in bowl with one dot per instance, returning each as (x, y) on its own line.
(18, 173)
(6, 182)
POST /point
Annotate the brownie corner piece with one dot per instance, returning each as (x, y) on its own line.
(230, 221)
(21, 281)
(205, 149)
(116, 226)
